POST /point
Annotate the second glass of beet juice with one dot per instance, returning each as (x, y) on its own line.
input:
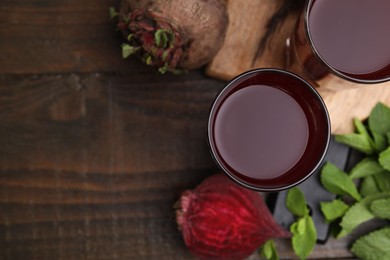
(346, 38)
(268, 129)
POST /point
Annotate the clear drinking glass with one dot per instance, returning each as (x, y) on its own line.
(268, 129)
(346, 38)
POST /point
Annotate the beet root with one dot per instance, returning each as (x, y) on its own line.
(173, 34)
(222, 220)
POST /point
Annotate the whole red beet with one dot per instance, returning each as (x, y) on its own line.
(221, 220)
(173, 34)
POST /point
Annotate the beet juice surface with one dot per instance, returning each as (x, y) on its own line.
(268, 129)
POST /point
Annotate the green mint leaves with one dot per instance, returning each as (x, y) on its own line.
(359, 142)
(338, 182)
(372, 140)
(334, 209)
(366, 167)
(304, 236)
(360, 212)
(364, 192)
(381, 208)
(304, 233)
(296, 203)
(384, 159)
(379, 119)
(373, 246)
(268, 250)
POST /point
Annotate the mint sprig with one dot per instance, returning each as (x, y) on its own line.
(304, 233)
(268, 250)
(334, 209)
(338, 182)
(367, 185)
(373, 246)
(360, 213)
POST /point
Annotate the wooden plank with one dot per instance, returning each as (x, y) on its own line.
(91, 165)
(56, 36)
(240, 52)
(111, 124)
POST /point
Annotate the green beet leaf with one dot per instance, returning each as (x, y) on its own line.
(381, 208)
(304, 236)
(384, 159)
(338, 182)
(268, 250)
(360, 212)
(128, 50)
(379, 119)
(334, 209)
(373, 246)
(296, 203)
(359, 142)
(368, 166)
(368, 186)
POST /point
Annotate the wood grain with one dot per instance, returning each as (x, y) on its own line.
(91, 165)
(60, 37)
(62, 120)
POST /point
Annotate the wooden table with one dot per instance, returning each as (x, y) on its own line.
(94, 149)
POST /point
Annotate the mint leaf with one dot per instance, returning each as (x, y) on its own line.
(366, 167)
(381, 208)
(373, 246)
(360, 128)
(338, 182)
(382, 180)
(368, 186)
(268, 250)
(379, 119)
(334, 209)
(360, 212)
(380, 142)
(359, 142)
(356, 215)
(296, 203)
(304, 236)
(384, 159)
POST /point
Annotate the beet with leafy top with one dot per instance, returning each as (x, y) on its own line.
(172, 35)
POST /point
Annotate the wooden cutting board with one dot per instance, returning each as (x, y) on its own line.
(248, 27)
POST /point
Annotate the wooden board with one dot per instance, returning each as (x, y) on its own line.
(91, 165)
(240, 52)
(60, 37)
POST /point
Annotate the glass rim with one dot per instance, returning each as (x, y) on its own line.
(327, 66)
(211, 141)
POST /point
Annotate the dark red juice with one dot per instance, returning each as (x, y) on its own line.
(352, 36)
(261, 125)
(268, 129)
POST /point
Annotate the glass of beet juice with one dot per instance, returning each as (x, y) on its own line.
(346, 38)
(268, 129)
